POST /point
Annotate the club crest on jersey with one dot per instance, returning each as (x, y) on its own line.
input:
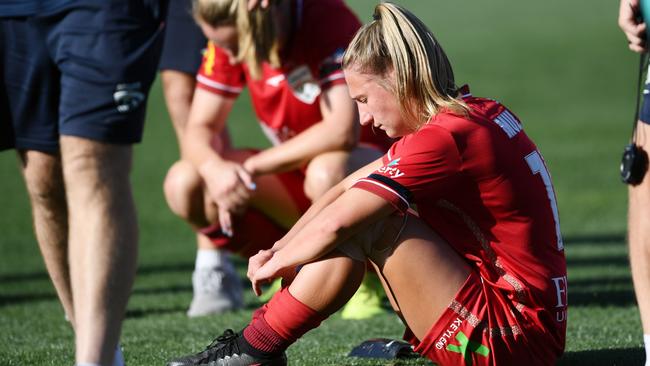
(391, 169)
(303, 85)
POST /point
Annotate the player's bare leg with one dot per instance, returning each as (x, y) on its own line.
(638, 229)
(44, 180)
(323, 172)
(411, 266)
(103, 235)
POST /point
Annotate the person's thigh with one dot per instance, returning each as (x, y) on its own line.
(107, 52)
(452, 313)
(420, 271)
(30, 89)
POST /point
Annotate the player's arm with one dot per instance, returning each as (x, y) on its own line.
(227, 182)
(346, 216)
(338, 130)
(311, 220)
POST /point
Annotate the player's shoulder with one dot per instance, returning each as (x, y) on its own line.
(323, 20)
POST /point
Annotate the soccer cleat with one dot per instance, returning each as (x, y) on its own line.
(230, 349)
(216, 290)
(366, 302)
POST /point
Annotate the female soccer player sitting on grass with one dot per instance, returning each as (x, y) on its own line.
(289, 57)
(459, 218)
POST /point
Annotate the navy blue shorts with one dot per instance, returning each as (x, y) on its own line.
(184, 40)
(83, 71)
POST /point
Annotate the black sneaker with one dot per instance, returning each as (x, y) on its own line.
(231, 349)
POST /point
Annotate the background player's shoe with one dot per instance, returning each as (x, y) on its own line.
(268, 293)
(366, 302)
(216, 290)
(118, 359)
(230, 349)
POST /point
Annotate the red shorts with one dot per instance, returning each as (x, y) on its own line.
(482, 326)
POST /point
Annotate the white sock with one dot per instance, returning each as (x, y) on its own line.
(646, 340)
(209, 258)
(87, 364)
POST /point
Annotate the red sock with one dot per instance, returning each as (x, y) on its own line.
(280, 322)
(253, 232)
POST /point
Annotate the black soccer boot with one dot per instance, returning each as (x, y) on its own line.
(231, 349)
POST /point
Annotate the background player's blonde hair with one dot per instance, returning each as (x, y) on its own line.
(396, 40)
(257, 29)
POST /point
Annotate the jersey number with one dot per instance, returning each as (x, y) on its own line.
(537, 166)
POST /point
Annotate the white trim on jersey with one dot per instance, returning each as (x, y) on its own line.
(386, 188)
(508, 123)
(331, 77)
(217, 85)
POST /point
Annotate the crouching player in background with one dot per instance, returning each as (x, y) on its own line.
(478, 274)
(288, 55)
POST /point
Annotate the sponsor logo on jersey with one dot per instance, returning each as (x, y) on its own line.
(128, 97)
(208, 59)
(466, 347)
(391, 169)
(303, 85)
(561, 294)
(275, 80)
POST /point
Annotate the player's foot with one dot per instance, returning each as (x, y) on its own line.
(366, 302)
(231, 349)
(216, 290)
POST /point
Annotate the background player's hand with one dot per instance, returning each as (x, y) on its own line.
(230, 186)
(634, 28)
(253, 3)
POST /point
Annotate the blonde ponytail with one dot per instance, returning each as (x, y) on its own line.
(397, 41)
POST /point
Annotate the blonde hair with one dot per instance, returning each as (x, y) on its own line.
(257, 31)
(396, 40)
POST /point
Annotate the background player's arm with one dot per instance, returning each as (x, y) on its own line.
(338, 130)
(226, 181)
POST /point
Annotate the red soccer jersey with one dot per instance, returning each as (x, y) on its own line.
(286, 99)
(481, 183)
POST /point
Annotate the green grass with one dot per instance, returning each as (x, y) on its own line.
(562, 66)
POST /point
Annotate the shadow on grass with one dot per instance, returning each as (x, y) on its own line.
(604, 357)
(603, 238)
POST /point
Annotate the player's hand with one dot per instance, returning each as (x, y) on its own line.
(263, 268)
(634, 29)
(230, 186)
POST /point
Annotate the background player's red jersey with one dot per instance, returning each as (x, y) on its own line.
(286, 99)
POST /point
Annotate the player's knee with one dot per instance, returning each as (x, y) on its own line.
(320, 177)
(182, 185)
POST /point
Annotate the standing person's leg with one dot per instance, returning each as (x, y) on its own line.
(107, 54)
(103, 241)
(44, 181)
(639, 239)
(29, 88)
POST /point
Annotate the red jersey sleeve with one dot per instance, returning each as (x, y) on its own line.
(217, 75)
(421, 164)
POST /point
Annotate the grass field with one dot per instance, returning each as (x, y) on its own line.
(562, 66)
